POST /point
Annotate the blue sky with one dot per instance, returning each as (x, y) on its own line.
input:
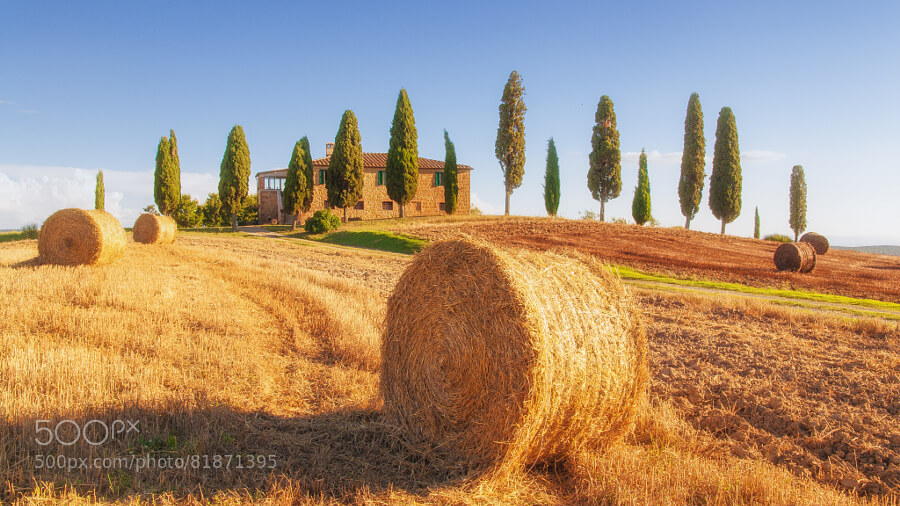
(90, 85)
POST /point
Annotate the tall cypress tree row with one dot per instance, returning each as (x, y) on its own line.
(640, 206)
(345, 169)
(725, 182)
(451, 185)
(693, 161)
(605, 174)
(166, 194)
(510, 145)
(551, 179)
(100, 193)
(234, 174)
(756, 224)
(402, 168)
(295, 184)
(798, 201)
(176, 165)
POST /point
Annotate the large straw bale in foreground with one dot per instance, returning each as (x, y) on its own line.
(81, 237)
(819, 242)
(511, 357)
(152, 229)
(795, 257)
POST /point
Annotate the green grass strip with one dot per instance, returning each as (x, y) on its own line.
(629, 273)
(373, 239)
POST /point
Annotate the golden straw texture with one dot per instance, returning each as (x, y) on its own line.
(819, 242)
(511, 358)
(795, 257)
(81, 237)
(152, 229)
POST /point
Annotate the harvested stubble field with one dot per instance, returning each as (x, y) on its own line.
(250, 346)
(679, 252)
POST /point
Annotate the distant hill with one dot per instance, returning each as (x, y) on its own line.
(881, 250)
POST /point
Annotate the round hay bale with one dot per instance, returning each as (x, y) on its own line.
(795, 257)
(511, 358)
(819, 242)
(81, 237)
(152, 229)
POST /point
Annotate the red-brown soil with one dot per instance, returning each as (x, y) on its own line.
(684, 253)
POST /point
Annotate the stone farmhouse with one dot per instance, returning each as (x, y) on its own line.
(374, 203)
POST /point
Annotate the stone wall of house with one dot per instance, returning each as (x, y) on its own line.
(374, 203)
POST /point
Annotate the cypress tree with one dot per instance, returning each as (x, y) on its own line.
(693, 161)
(100, 193)
(296, 189)
(402, 167)
(551, 179)
(176, 165)
(725, 182)
(640, 206)
(345, 169)
(234, 174)
(165, 191)
(451, 185)
(605, 174)
(510, 145)
(798, 201)
(309, 173)
(756, 224)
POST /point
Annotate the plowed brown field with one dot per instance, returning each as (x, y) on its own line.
(683, 253)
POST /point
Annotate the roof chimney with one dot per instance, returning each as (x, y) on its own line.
(329, 148)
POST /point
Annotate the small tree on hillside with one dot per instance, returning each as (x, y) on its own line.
(234, 175)
(451, 183)
(309, 172)
(189, 213)
(510, 145)
(693, 161)
(211, 211)
(605, 174)
(640, 206)
(798, 201)
(345, 169)
(725, 182)
(756, 224)
(295, 184)
(402, 167)
(100, 193)
(166, 191)
(551, 179)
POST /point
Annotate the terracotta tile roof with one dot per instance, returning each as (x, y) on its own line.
(371, 161)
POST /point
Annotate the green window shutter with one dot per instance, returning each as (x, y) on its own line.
(438, 179)
(380, 177)
(321, 177)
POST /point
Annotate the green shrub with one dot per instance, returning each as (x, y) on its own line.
(778, 238)
(30, 231)
(322, 221)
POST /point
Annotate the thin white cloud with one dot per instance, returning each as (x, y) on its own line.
(654, 157)
(761, 156)
(29, 193)
(7, 102)
(485, 206)
(28, 111)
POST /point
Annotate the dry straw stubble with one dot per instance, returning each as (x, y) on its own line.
(152, 229)
(795, 257)
(818, 241)
(511, 358)
(81, 237)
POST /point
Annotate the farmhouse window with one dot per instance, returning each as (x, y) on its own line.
(387, 205)
(442, 206)
(418, 206)
(273, 183)
(360, 205)
(380, 177)
(439, 179)
(322, 176)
